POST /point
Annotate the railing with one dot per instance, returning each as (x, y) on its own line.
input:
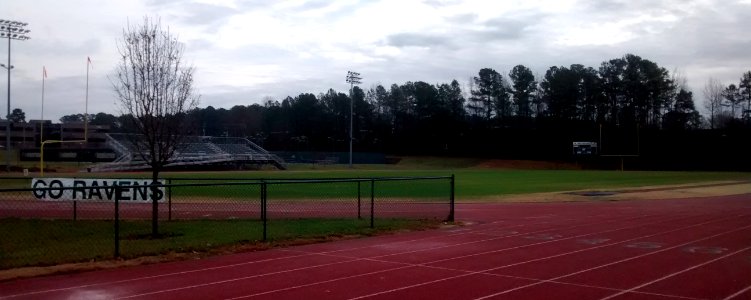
(242, 209)
(119, 148)
(194, 151)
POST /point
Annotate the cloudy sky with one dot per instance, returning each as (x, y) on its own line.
(245, 51)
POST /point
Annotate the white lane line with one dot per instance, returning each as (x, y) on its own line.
(567, 275)
(409, 265)
(478, 272)
(152, 277)
(675, 273)
(738, 293)
(554, 256)
(483, 231)
(243, 278)
(406, 266)
(320, 282)
(509, 236)
(246, 263)
(585, 285)
(360, 259)
(534, 244)
(492, 274)
(295, 256)
(614, 263)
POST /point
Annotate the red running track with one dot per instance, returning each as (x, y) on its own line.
(696, 248)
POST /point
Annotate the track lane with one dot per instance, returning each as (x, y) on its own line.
(427, 286)
(155, 273)
(714, 280)
(393, 262)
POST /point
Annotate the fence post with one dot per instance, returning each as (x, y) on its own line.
(75, 210)
(451, 209)
(372, 202)
(263, 208)
(169, 199)
(359, 215)
(118, 194)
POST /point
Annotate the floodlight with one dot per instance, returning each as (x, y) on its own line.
(12, 30)
(352, 78)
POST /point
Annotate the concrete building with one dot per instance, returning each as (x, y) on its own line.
(26, 138)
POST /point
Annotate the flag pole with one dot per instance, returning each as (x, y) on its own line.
(41, 127)
(86, 110)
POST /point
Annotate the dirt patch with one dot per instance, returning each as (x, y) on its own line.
(526, 165)
(6, 275)
(693, 190)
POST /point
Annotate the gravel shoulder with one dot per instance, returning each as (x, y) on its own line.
(693, 190)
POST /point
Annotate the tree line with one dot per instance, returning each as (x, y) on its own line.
(494, 109)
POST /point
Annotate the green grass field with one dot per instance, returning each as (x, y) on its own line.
(50, 242)
(471, 183)
(488, 182)
(480, 183)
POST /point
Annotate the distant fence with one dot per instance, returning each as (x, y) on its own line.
(259, 204)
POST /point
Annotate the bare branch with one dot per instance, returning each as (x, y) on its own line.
(713, 90)
(154, 89)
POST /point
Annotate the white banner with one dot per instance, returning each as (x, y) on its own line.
(96, 189)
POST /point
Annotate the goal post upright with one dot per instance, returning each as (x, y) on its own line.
(61, 140)
(621, 154)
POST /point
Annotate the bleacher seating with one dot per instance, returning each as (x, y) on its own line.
(235, 149)
(195, 150)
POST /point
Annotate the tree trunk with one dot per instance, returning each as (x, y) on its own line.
(154, 204)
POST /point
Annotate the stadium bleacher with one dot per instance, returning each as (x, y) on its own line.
(193, 151)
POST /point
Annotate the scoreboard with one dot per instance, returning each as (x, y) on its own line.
(584, 148)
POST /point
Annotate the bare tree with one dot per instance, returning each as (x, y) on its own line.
(745, 93)
(713, 91)
(155, 91)
(732, 99)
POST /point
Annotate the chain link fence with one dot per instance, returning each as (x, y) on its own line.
(54, 220)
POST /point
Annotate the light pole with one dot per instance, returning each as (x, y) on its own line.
(352, 78)
(13, 30)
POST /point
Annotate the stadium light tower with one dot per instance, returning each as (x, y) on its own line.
(352, 78)
(13, 30)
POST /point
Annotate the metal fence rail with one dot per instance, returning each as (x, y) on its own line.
(242, 209)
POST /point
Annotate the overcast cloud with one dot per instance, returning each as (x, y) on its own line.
(245, 51)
